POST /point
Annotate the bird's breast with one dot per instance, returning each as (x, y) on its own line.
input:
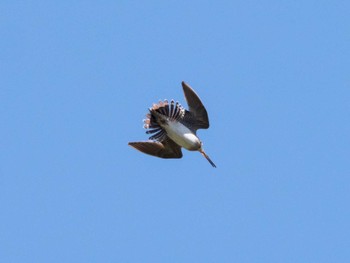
(182, 135)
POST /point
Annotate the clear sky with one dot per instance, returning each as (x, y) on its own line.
(76, 79)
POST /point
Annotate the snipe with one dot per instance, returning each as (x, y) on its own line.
(173, 127)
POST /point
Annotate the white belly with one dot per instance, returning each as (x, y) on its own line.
(183, 136)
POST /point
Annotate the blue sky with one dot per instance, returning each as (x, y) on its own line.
(76, 80)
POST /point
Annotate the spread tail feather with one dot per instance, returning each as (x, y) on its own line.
(161, 112)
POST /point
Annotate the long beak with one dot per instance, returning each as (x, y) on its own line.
(207, 157)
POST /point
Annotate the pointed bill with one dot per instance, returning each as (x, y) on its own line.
(207, 157)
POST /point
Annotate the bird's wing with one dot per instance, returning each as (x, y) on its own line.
(197, 115)
(166, 149)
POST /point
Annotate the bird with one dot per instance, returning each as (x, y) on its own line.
(172, 127)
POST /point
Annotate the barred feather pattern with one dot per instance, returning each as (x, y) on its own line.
(159, 112)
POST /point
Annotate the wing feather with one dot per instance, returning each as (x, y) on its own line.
(197, 113)
(166, 149)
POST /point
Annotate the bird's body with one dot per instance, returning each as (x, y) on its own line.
(182, 135)
(173, 127)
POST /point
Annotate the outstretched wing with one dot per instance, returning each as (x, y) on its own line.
(197, 115)
(166, 149)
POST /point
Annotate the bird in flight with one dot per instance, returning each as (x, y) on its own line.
(172, 127)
